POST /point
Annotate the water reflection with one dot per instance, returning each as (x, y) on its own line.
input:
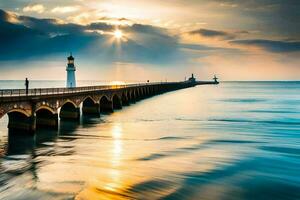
(67, 128)
(109, 183)
(189, 144)
(20, 143)
(115, 183)
(117, 145)
(25, 157)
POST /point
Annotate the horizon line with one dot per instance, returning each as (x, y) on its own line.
(153, 81)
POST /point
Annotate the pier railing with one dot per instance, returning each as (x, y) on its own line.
(52, 91)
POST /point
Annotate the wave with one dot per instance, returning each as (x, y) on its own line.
(273, 111)
(293, 122)
(188, 119)
(286, 150)
(168, 138)
(153, 156)
(257, 121)
(236, 180)
(243, 100)
(148, 120)
(235, 141)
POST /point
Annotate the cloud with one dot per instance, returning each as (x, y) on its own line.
(199, 47)
(231, 5)
(28, 38)
(4, 16)
(65, 9)
(116, 21)
(37, 38)
(50, 26)
(213, 34)
(38, 8)
(271, 45)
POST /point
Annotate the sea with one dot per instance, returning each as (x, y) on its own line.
(235, 140)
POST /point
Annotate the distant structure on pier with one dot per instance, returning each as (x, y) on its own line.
(71, 81)
(192, 79)
(215, 79)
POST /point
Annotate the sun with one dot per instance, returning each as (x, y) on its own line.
(118, 34)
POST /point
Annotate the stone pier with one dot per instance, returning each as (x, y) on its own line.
(42, 108)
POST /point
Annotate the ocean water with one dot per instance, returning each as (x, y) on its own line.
(235, 140)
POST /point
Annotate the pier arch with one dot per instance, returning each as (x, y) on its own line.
(105, 104)
(148, 91)
(90, 107)
(69, 111)
(128, 96)
(152, 90)
(137, 94)
(88, 99)
(46, 117)
(144, 92)
(20, 120)
(131, 97)
(141, 93)
(117, 103)
(125, 99)
(17, 110)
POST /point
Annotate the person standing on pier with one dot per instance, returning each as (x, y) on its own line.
(26, 85)
(215, 79)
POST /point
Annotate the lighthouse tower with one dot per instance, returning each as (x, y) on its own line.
(71, 72)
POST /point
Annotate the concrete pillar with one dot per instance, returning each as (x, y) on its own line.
(148, 91)
(125, 102)
(91, 109)
(138, 96)
(132, 98)
(70, 115)
(152, 90)
(142, 94)
(106, 107)
(117, 104)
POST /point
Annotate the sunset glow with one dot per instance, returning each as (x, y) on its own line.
(165, 39)
(118, 34)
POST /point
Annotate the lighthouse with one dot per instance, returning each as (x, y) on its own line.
(71, 82)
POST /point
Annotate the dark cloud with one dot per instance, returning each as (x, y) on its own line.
(4, 16)
(147, 29)
(33, 37)
(209, 49)
(271, 45)
(99, 26)
(243, 32)
(198, 47)
(50, 25)
(273, 17)
(213, 34)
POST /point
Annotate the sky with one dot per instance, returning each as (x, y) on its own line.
(153, 40)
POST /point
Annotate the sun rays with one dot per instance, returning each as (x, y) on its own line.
(118, 34)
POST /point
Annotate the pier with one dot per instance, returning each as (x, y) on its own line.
(43, 107)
